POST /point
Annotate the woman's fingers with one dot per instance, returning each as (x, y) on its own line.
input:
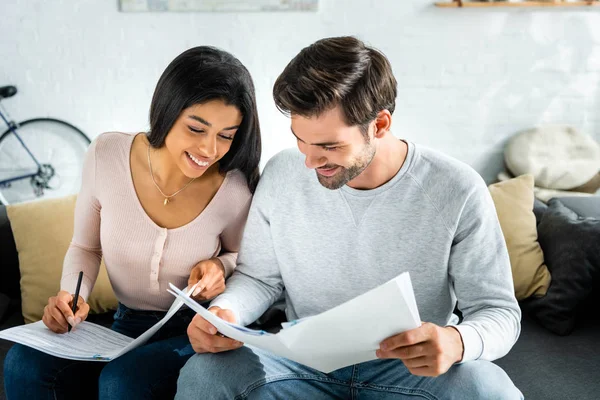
(82, 312)
(58, 319)
(212, 285)
(195, 276)
(66, 311)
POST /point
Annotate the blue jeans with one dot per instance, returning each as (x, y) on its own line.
(148, 372)
(250, 373)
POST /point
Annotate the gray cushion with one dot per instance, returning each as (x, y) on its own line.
(571, 246)
(584, 206)
(539, 208)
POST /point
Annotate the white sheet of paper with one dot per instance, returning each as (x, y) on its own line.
(144, 337)
(88, 341)
(347, 334)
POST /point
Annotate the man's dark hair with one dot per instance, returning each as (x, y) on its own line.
(199, 75)
(337, 71)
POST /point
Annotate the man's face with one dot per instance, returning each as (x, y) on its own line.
(338, 152)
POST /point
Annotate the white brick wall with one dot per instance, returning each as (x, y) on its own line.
(468, 79)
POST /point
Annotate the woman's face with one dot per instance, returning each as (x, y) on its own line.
(202, 135)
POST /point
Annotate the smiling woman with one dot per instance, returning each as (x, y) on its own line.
(202, 155)
(195, 144)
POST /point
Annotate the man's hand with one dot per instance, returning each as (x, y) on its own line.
(211, 274)
(58, 313)
(428, 350)
(203, 335)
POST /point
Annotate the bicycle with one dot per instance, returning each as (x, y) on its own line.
(39, 157)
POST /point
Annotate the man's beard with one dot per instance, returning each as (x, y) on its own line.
(346, 174)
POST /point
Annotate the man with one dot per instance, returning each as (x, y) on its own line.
(379, 206)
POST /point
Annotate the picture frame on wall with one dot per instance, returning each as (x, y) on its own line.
(217, 5)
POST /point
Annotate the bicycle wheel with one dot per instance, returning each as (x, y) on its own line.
(57, 145)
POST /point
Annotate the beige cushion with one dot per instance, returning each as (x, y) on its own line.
(43, 231)
(591, 186)
(514, 205)
(558, 157)
(545, 195)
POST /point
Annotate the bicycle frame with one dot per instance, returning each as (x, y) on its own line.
(12, 126)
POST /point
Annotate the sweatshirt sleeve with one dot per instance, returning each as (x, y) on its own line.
(256, 282)
(480, 273)
(231, 238)
(84, 253)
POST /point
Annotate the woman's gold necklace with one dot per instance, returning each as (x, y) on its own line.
(167, 198)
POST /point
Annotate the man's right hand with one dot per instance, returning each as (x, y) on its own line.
(203, 335)
(58, 314)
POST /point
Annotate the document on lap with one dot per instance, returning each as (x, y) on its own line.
(87, 342)
(347, 334)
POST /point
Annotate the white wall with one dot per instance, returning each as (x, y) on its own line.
(468, 79)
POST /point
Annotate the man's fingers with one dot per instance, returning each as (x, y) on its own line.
(203, 325)
(203, 341)
(212, 348)
(408, 338)
(226, 315)
(222, 342)
(216, 343)
(212, 340)
(214, 310)
(419, 362)
(406, 352)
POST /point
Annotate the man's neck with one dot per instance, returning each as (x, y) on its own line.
(389, 158)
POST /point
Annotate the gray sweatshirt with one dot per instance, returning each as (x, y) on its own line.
(434, 219)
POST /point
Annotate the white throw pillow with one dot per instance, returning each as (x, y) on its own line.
(558, 157)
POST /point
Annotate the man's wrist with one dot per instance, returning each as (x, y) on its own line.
(459, 343)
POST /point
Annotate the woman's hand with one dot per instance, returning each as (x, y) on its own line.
(211, 275)
(58, 313)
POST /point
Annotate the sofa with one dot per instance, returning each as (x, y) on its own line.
(543, 364)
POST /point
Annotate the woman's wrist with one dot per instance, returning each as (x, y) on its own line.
(218, 261)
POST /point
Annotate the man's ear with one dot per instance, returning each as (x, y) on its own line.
(383, 123)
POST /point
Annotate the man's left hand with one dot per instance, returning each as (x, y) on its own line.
(428, 350)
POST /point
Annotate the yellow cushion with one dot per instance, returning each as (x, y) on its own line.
(514, 205)
(43, 230)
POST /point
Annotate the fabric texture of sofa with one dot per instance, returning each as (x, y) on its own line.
(543, 364)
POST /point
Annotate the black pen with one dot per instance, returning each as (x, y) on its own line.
(75, 298)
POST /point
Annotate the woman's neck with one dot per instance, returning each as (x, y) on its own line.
(165, 171)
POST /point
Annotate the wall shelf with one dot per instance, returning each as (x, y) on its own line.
(483, 4)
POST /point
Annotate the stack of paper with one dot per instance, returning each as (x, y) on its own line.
(347, 334)
(87, 342)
